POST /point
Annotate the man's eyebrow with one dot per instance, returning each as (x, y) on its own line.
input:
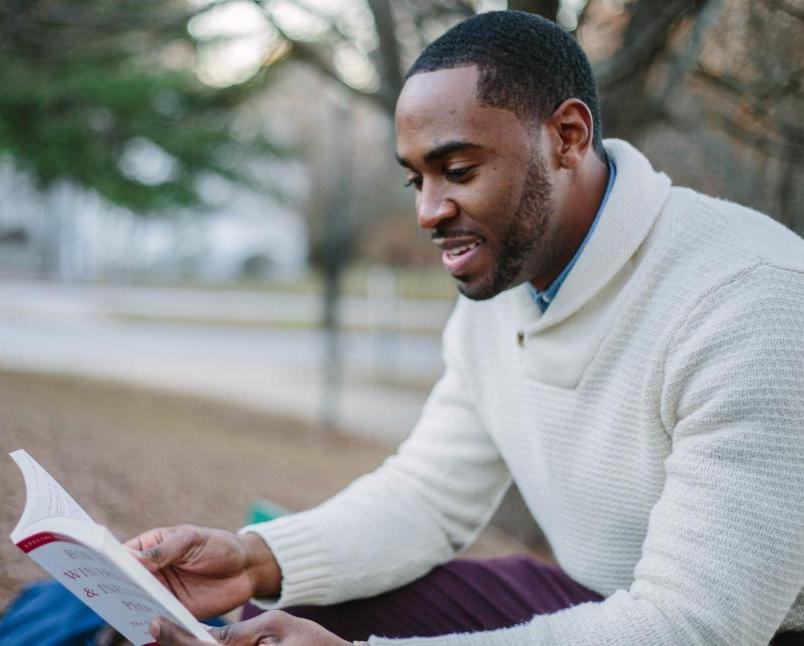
(442, 150)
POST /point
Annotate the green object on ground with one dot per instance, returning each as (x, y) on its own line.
(262, 510)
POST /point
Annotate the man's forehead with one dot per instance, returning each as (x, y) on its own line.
(436, 108)
(441, 92)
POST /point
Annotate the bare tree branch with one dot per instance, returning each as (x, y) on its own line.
(755, 99)
(685, 62)
(782, 5)
(391, 64)
(622, 78)
(787, 186)
(320, 60)
(720, 81)
(319, 56)
(775, 145)
(645, 37)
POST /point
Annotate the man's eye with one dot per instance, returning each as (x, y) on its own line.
(457, 173)
(414, 181)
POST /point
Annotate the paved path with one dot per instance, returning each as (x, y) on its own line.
(109, 332)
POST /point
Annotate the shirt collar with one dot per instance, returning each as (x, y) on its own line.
(544, 298)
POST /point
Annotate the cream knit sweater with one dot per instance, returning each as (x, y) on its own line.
(653, 419)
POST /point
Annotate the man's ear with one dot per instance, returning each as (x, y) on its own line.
(571, 128)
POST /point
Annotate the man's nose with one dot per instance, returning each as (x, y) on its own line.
(433, 207)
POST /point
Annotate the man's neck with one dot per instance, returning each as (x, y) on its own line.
(587, 191)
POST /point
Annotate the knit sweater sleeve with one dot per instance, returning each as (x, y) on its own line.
(414, 512)
(723, 558)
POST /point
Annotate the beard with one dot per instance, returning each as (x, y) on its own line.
(524, 233)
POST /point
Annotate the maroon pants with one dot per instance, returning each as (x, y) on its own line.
(461, 596)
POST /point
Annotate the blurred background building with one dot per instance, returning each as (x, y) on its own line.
(248, 236)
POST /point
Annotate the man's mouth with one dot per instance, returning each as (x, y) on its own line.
(460, 253)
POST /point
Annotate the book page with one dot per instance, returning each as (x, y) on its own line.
(45, 498)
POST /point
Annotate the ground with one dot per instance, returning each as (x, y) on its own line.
(137, 458)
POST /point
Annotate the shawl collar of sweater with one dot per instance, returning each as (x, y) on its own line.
(636, 199)
(559, 344)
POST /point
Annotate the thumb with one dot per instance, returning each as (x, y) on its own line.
(231, 635)
(262, 629)
(169, 634)
(173, 548)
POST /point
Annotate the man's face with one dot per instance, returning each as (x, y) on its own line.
(482, 188)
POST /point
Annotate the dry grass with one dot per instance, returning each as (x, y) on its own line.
(137, 458)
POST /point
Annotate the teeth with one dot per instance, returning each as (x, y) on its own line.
(462, 250)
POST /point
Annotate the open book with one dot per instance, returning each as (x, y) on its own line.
(90, 562)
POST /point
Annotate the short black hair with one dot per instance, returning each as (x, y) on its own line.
(527, 64)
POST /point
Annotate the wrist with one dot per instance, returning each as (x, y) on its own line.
(261, 566)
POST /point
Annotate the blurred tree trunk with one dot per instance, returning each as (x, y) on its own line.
(390, 62)
(791, 165)
(337, 249)
(546, 8)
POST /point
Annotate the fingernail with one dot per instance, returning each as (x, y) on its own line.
(154, 628)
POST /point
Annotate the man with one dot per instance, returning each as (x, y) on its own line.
(631, 354)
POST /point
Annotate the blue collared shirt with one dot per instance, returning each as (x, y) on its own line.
(544, 298)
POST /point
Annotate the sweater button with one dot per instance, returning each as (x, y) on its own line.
(520, 339)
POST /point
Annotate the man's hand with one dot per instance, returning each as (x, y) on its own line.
(274, 628)
(210, 571)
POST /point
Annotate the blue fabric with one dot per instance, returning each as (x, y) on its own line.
(47, 614)
(544, 298)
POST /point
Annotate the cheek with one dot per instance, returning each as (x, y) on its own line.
(508, 174)
(501, 191)
(493, 209)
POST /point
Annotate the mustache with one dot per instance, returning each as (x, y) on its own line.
(444, 234)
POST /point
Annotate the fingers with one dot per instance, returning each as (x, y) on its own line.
(167, 633)
(271, 628)
(267, 628)
(162, 547)
(108, 636)
(146, 539)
